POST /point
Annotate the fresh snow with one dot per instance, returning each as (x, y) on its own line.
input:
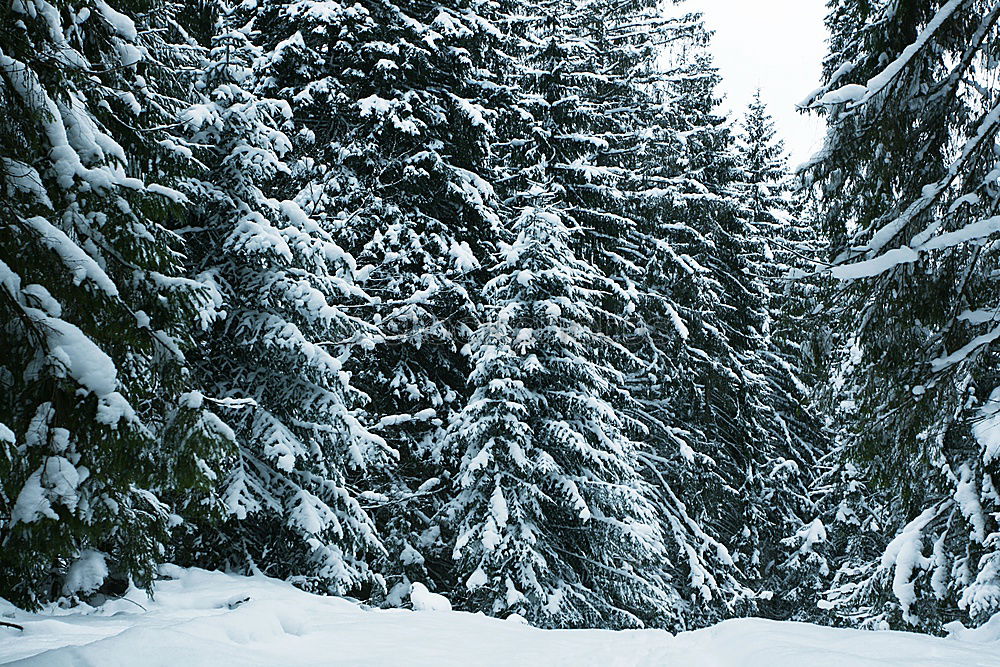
(121, 23)
(987, 428)
(859, 94)
(852, 92)
(423, 600)
(209, 618)
(81, 265)
(975, 231)
(87, 573)
(877, 265)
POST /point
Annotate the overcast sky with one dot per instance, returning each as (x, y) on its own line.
(777, 45)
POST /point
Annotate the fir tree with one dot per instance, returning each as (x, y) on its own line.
(269, 352)
(656, 193)
(722, 401)
(554, 522)
(392, 142)
(704, 319)
(101, 422)
(783, 246)
(909, 200)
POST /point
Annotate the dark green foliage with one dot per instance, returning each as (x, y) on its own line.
(95, 319)
(392, 156)
(905, 185)
(482, 295)
(268, 350)
(791, 352)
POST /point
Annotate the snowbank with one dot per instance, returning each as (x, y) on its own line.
(208, 618)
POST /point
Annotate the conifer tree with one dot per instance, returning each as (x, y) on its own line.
(392, 142)
(784, 245)
(271, 354)
(554, 522)
(714, 391)
(626, 180)
(100, 420)
(704, 316)
(909, 200)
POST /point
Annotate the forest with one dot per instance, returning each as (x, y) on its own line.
(488, 299)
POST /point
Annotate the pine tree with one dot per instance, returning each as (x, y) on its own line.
(783, 224)
(101, 420)
(392, 143)
(784, 245)
(704, 321)
(630, 181)
(554, 521)
(722, 401)
(909, 200)
(269, 356)
(577, 69)
(564, 135)
(658, 195)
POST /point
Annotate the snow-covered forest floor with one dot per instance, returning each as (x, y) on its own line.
(208, 618)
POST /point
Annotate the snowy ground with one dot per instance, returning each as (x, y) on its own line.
(197, 619)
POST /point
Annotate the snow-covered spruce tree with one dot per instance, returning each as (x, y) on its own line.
(269, 352)
(910, 200)
(711, 392)
(93, 312)
(783, 221)
(721, 450)
(554, 521)
(656, 194)
(562, 130)
(786, 246)
(392, 142)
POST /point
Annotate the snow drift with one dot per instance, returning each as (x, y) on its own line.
(208, 618)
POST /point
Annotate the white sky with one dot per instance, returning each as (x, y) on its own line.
(777, 45)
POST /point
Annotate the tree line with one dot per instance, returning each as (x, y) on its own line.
(489, 296)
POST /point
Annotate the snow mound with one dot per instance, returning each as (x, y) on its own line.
(424, 600)
(209, 618)
(86, 574)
